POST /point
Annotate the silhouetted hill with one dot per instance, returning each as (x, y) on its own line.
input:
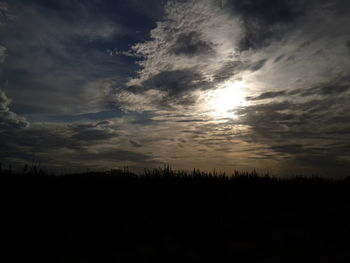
(169, 216)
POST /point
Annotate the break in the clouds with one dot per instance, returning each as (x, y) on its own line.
(223, 84)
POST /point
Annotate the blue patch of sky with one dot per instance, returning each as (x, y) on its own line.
(86, 56)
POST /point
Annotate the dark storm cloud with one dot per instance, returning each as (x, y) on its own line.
(280, 57)
(64, 146)
(310, 132)
(63, 153)
(321, 157)
(265, 20)
(287, 120)
(102, 115)
(228, 70)
(267, 11)
(135, 143)
(47, 144)
(268, 95)
(36, 140)
(41, 139)
(330, 89)
(89, 133)
(289, 148)
(191, 44)
(232, 68)
(177, 82)
(191, 120)
(177, 85)
(34, 145)
(258, 65)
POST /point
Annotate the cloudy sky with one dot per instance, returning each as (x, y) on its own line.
(225, 84)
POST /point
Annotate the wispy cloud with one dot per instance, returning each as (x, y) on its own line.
(9, 121)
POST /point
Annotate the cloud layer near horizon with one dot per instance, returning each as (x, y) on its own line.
(112, 96)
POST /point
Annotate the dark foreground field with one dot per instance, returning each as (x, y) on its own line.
(167, 217)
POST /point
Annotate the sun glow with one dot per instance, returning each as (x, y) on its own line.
(226, 98)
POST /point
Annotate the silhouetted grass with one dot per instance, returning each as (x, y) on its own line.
(165, 215)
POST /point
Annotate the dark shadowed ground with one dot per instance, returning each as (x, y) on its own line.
(173, 217)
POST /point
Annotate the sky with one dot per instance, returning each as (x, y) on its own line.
(210, 84)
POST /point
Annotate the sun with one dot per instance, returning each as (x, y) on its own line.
(226, 98)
